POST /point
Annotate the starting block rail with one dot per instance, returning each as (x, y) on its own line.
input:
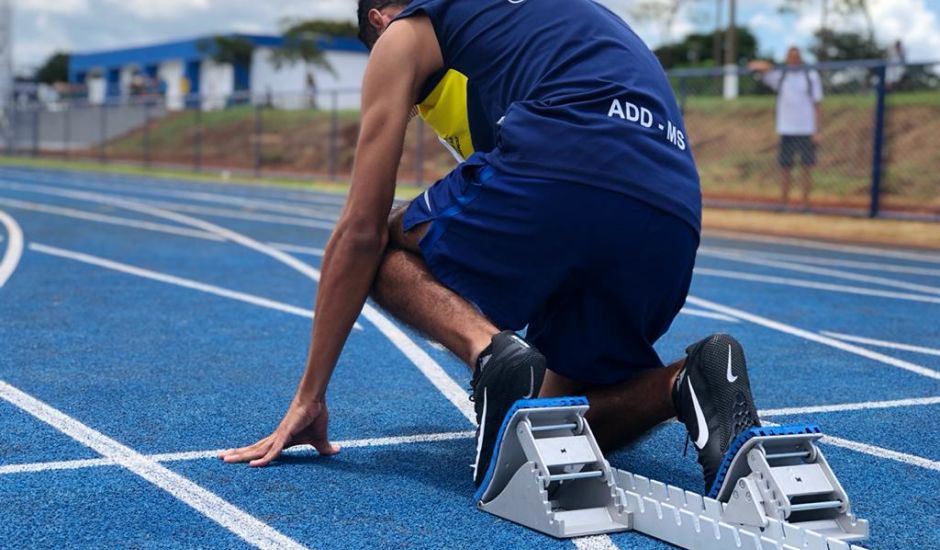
(779, 493)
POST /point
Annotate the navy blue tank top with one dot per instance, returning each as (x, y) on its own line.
(559, 90)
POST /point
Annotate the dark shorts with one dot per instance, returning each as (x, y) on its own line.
(790, 146)
(597, 276)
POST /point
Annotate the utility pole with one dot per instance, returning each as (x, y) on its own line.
(731, 53)
(6, 75)
(716, 40)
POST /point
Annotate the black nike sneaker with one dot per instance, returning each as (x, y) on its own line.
(712, 396)
(508, 370)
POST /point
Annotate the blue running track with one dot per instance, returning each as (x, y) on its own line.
(147, 323)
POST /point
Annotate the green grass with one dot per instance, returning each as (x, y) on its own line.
(402, 192)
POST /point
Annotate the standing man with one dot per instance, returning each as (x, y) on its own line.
(577, 213)
(799, 118)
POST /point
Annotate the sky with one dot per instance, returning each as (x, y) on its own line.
(42, 27)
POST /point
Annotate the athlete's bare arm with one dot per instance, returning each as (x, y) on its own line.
(405, 56)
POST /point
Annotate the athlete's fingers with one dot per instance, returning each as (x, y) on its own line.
(273, 452)
(250, 452)
(325, 448)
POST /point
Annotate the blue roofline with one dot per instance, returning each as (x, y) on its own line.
(184, 50)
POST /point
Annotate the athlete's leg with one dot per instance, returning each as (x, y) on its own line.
(621, 413)
(406, 288)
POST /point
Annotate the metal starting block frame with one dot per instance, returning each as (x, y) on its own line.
(779, 493)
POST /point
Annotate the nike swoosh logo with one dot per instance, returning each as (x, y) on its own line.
(476, 463)
(699, 419)
(531, 385)
(731, 377)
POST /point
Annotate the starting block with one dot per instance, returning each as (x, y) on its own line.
(776, 490)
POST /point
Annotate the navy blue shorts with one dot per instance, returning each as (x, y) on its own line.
(597, 276)
(791, 146)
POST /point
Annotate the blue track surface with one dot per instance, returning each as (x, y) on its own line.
(151, 332)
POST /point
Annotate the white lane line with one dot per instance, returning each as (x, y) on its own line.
(350, 444)
(596, 542)
(173, 280)
(103, 218)
(813, 337)
(14, 248)
(166, 206)
(824, 271)
(203, 455)
(708, 315)
(881, 452)
(437, 437)
(430, 368)
(843, 407)
(819, 245)
(877, 452)
(817, 260)
(130, 184)
(239, 214)
(882, 343)
(34, 467)
(247, 527)
(212, 198)
(814, 285)
(295, 249)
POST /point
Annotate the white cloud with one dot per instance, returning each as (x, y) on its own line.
(911, 21)
(162, 9)
(53, 6)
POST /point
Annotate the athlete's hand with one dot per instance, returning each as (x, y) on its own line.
(304, 424)
(760, 66)
(817, 139)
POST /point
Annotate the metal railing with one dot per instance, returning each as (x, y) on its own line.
(876, 156)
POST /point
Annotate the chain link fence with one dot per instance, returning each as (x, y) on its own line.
(877, 152)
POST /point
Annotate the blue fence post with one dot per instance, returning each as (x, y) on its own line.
(877, 164)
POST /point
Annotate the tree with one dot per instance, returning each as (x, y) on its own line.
(303, 39)
(697, 49)
(325, 27)
(225, 49)
(845, 9)
(830, 45)
(55, 69)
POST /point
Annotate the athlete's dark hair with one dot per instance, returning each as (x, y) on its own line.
(367, 32)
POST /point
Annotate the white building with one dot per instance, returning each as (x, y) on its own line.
(185, 75)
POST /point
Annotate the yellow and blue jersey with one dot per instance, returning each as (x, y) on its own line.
(559, 90)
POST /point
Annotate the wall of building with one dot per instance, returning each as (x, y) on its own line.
(217, 84)
(171, 73)
(288, 87)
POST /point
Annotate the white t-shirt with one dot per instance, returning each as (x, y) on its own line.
(797, 97)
